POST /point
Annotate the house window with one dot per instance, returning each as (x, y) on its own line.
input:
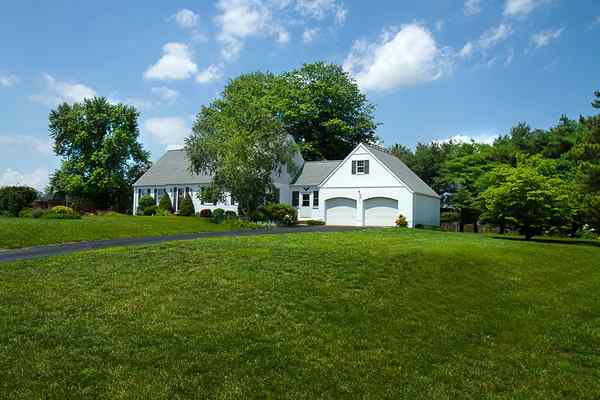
(360, 167)
(305, 200)
(140, 194)
(295, 198)
(316, 199)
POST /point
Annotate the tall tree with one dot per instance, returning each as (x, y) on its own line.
(241, 142)
(523, 198)
(100, 151)
(324, 110)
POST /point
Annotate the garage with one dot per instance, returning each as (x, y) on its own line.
(380, 211)
(340, 211)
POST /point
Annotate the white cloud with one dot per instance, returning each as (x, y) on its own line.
(310, 34)
(165, 94)
(7, 80)
(175, 64)
(58, 92)
(239, 19)
(42, 146)
(186, 19)
(543, 39)
(521, 8)
(495, 35)
(37, 178)
(210, 74)
(315, 8)
(341, 13)
(467, 50)
(168, 130)
(484, 138)
(472, 7)
(405, 58)
(283, 36)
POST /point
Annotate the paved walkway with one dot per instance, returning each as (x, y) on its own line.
(53, 250)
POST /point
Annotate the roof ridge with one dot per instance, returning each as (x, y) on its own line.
(379, 147)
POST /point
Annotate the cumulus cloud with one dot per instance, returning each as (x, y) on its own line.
(37, 178)
(310, 34)
(7, 80)
(211, 74)
(542, 39)
(175, 64)
(484, 138)
(58, 92)
(186, 19)
(42, 146)
(404, 58)
(472, 7)
(521, 8)
(168, 130)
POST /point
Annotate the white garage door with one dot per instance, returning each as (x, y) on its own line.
(380, 211)
(340, 211)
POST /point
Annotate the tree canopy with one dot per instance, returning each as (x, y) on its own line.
(101, 155)
(241, 142)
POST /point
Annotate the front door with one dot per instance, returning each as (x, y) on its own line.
(305, 208)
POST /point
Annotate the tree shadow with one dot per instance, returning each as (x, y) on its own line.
(547, 240)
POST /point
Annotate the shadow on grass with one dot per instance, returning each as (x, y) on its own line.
(547, 240)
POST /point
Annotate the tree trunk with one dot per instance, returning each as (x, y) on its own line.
(461, 226)
(502, 229)
(475, 227)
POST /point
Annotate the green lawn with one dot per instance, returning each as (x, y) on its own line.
(365, 314)
(26, 232)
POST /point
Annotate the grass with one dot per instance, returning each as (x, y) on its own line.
(365, 314)
(27, 232)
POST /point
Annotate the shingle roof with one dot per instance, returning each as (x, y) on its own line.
(400, 169)
(314, 172)
(172, 169)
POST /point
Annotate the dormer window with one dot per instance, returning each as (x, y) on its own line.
(360, 167)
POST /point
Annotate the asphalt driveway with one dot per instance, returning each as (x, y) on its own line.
(53, 250)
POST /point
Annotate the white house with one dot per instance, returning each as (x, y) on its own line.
(370, 187)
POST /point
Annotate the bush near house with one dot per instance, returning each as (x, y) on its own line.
(230, 214)
(14, 198)
(165, 203)
(218, 216)
(401, 221)
(61, 212)
(314, 222)
(283, 214)
(186, 209)
(146, 201)
(150, 210)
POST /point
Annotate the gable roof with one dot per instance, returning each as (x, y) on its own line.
(313, 172)
(173, 168)
(401, 171)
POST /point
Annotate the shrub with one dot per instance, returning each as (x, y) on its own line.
(37, 213)
(14, 198)
(61, 212)
(314, 222)
(218, 216)
(165, 203)
(401, 221)
(146, 201)
(230, 214)
(242, 224)
(25, 212)
(110, 214)
(280, 213)
(186, 208)
(162, 213)
(150, 210)
(205, 213)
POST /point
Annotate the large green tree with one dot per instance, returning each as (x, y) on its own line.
(324, 110)
(101, 155)
(241, 142)
(522, 197)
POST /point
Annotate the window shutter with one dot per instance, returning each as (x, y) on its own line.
(316, 198)
(354, 167)
(295, 199)
(366, 166)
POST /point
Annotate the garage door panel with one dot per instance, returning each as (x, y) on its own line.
(380, 211)
(340, 211)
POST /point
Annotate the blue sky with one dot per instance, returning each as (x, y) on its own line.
(433, 69)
